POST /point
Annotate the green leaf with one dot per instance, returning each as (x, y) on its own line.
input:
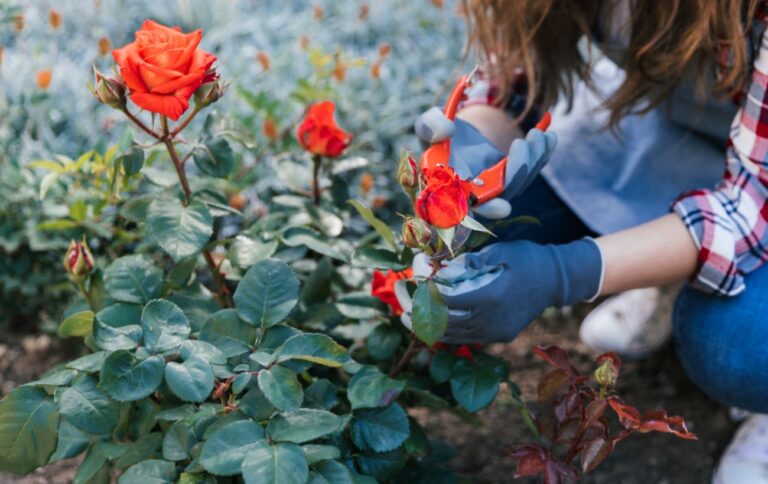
(298, 236)
(275, 464)
(473, 224)
(180, 231)
(334, 472)
(165, 325)
(149, 472)
(267, 293)
(28, 423)
(380, 429)
(127, 378)
(215, 157)
(88, 363)
(315, 453)
(72, 441)
(225, 448)
(78, 324)
(383, 342)
(303, 425)
(178, 441)
(315, 347)
(474, 386)
(255, 404)
(441, 366)
(133, 279)
(246, 251)
(136, 208)
(132, 161)
(371, 388)
(317, 287)
(54, 378)
(87, 407)
(370, 258)
(191, 381)
(121, 338)
(202, 349)
(360, 306)
(320, 394)
(430, 314)
(281, 388)
(380, 465)
(230, 334)
(120, 314)
(447, 235)
(379, 226)
(144, 448)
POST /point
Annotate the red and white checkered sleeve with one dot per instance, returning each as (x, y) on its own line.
(730, 222)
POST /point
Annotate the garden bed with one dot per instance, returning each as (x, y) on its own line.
(650, 383)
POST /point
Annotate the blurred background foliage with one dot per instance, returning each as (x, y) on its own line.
(381, 62)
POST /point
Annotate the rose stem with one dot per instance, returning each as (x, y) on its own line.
(224, 296)
(316, 164)
(140, 124)
(180, 127)
(410, 352)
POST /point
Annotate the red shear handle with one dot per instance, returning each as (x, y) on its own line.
(490, 183)
(439, 153)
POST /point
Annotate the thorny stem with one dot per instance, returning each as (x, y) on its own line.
(180, 127)
(316, 164)
(222, 291)
(410, 352)
(140, 124)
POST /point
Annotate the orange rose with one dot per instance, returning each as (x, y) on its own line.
(384, 287)
(163, 67)
(318, 132)
(444, 202)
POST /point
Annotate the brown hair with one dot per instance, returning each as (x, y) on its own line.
(667, 38)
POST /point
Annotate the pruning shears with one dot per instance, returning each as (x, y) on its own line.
(489, 184)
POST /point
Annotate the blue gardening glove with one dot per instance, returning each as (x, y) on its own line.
(471, 153)
(493, 294)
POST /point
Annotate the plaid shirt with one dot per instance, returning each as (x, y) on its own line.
(730, 223)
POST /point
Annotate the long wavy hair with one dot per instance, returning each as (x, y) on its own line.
(667, 38)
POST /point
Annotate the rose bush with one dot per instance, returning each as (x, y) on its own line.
(237, 332)
(222, 343)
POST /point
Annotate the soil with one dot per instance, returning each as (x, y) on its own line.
(655, 382)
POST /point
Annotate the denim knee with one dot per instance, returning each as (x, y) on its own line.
(722, 344)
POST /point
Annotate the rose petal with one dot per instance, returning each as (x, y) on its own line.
(167, 105)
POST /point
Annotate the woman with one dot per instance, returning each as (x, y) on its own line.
(632, 143)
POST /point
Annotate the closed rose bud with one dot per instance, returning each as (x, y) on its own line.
(78, 261)
(376, 70)
(18, 22)
(44, 78)
(408, 172)
(54, 18)
(110, 91)
(416, 233)
(104, 46)
(209, 92)
(366, 183)
(364, 11)
(384, 49)
(238, 201)
(264, 60)
(270, 130)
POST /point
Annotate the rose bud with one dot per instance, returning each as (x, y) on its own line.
(109, 91)
(416, 233)
(408, 172)
(78, 261)
(209, 92)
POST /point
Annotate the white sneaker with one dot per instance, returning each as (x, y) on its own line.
(745, 461)
(632, 324)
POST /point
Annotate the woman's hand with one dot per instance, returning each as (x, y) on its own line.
(492, 295)
(472, 151)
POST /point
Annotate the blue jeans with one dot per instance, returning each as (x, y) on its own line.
(722, 343)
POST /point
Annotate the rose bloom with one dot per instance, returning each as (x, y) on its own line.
(384, 287)
(444, 202)
(318, 132)
(44, 78)
(163, 67)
